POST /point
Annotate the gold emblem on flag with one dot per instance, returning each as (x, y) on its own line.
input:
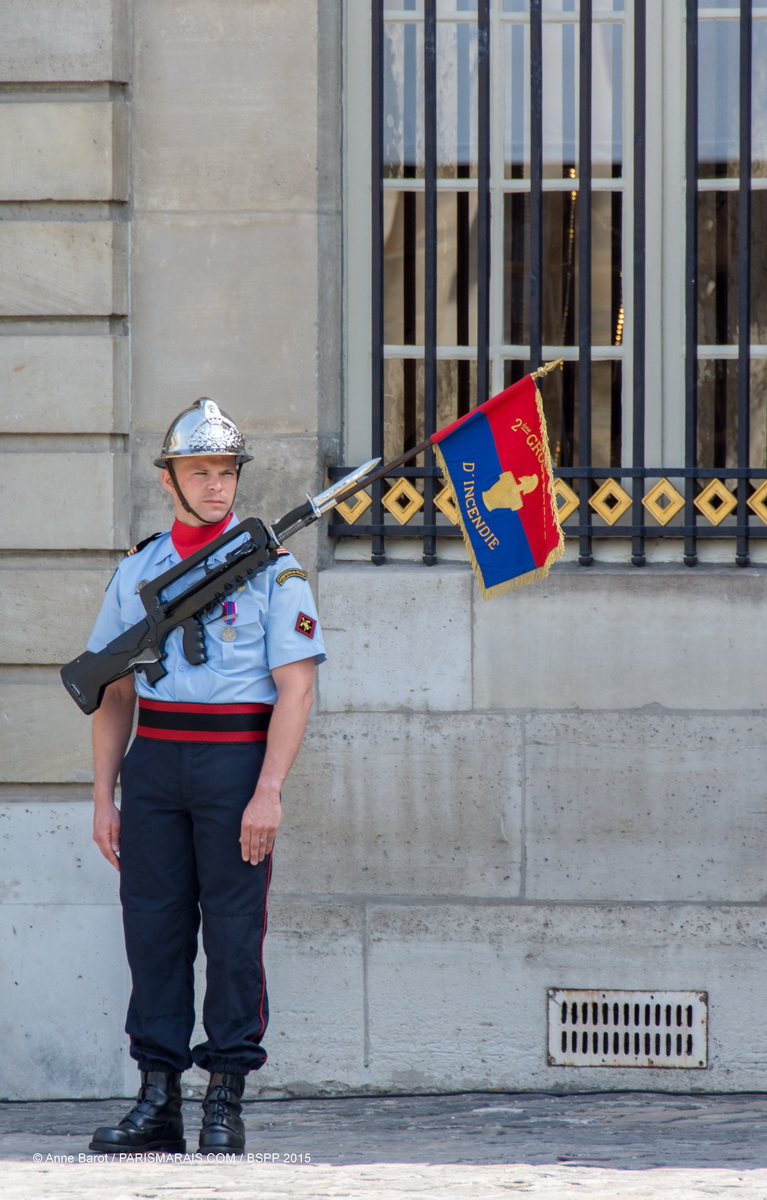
(509, 492)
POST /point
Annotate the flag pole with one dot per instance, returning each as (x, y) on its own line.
(547, 368)
(390, 467)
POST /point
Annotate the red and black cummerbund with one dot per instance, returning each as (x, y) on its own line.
(176, 722)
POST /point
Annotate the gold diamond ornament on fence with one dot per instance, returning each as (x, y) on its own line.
(653, 501)
(445, 502)
(610, 501)
(352, 509)
(565, 499)
(757, 502)
(715, 502)
(402, 501)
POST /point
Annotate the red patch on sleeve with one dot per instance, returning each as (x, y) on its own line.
(306, 625)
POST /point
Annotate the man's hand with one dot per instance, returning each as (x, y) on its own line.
(262, 817)
(260, 823)
(106, 832)
(111, 729)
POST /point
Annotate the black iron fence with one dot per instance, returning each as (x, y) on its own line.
(510, 184)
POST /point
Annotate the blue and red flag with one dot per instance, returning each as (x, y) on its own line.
(497, 461)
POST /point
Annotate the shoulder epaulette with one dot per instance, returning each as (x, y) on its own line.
(140, 545)
(282, 550)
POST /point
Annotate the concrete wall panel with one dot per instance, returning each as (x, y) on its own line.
(44, 737)
(314, 965)
(65, 992)
(56, 41)
(47, 855)
(56, 268)
(413, 805)
(81, 489)
(61, 151)
(398, 641)
(54, 612)
(224, 307)
(64, 384)
(458, 996)
(225, 114)
(646, 807)
(607, 639)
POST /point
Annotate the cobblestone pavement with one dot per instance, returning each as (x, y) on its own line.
(605, 1146)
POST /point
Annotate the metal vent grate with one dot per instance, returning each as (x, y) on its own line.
(627, 1029)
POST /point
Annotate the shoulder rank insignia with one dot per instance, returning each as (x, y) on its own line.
(290, 573)
(281, 551)
(145, 542)
(306, 625)
(134, 550)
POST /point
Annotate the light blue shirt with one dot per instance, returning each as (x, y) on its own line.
(276, 623)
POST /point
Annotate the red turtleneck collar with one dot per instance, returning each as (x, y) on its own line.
(188, 538)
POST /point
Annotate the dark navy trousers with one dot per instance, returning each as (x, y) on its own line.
(181, 809)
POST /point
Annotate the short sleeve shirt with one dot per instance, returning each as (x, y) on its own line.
(275, 623)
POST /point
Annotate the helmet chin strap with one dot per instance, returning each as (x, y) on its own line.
(185, 503)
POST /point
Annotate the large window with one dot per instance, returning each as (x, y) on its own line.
(530, 180)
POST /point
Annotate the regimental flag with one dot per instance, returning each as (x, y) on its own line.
(497, 461)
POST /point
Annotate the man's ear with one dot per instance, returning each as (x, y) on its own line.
(167, 481)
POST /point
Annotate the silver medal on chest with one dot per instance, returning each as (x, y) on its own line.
(228, 633)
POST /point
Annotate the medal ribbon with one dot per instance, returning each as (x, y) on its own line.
(230, 612)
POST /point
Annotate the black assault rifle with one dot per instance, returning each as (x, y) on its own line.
(141, 648)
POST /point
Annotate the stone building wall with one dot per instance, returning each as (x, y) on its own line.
(161, 218)
(562, 788)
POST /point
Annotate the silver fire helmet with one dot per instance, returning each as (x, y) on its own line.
(203, 429)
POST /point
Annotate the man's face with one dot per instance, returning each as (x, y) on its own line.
(208, 482)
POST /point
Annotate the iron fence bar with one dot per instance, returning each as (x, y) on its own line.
(638, 556)
(591, 472)
(340, 529)
(536, 183)
(410, 202)
(744, 271)
(463, 212)
(430, 252)
(483, 200)
(691, 274)
(585, 556)
(677, 531)
(661, 472)
(378, 552)
(408, 472)
(390, 469)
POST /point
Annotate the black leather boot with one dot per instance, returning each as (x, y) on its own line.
(222, 1127)
(154, 1123)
